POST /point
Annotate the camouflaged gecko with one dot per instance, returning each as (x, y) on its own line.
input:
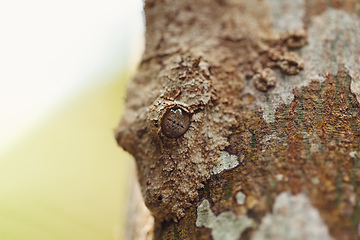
(180, 106)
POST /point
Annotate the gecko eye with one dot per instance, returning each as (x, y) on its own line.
(175, 122)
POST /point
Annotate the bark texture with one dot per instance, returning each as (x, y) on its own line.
(272, 90)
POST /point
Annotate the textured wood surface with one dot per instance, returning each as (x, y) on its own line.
(272, 89)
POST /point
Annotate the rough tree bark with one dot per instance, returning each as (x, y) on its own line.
(244, 119)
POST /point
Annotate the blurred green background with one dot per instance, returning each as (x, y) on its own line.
(67, 179)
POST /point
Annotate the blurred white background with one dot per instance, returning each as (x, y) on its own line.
(50, 50)
(64, 65)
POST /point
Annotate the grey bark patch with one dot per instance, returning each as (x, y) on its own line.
(355, 87)
(333, 39)
(289, 19)
(292, 218)
(226, 161)
(226, 226)
(240, 198)
(205, 217)
(354, 154)
(286, 16)
(279, 177)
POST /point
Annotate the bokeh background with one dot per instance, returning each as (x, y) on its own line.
(64, 66)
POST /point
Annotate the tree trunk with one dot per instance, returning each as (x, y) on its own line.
(244, 119)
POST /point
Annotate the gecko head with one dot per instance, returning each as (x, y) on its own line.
(175, 137)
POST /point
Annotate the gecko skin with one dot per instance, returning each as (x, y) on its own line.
(172, 169)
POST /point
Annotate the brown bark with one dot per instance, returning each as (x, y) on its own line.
(272, 90)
